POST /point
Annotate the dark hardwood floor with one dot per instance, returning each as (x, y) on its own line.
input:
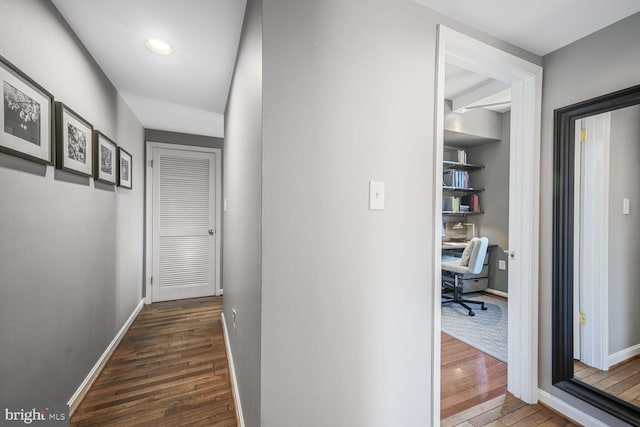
(170, 369)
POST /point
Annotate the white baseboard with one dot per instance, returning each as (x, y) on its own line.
(77, 397)
(622, 355)
(232, 373)
(568, 411)
(495, 292)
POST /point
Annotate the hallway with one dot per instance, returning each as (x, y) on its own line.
(170, 369)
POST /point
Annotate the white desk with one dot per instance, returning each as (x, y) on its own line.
(454, 245)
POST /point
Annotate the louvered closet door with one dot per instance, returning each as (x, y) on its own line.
(184, 224)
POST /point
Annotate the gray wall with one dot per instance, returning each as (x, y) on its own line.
(598, 64)
(70, 253)
(494, 201)
(624, 230)
(347, 296)
(182, 138)
(242, 228)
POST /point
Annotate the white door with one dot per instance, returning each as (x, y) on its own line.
(591, 271)
(184, 224)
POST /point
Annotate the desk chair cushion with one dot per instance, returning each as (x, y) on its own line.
(478, 254)
(476, 260)
(466, 254)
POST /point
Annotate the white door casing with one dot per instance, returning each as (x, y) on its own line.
(182, 222)
(525, 79)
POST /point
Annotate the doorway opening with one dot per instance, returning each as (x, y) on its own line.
(503, 72)
(475, 204)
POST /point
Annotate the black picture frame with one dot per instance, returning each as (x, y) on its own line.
(125, 163)
(563, 251)
(27, 118)
(74, 145)
(105, 154)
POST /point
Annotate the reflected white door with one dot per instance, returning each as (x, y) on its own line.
(591, 210)
(184, 221)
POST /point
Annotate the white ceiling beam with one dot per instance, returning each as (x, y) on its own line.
(488, 94)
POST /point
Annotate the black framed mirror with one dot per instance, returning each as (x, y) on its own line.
(596, 355)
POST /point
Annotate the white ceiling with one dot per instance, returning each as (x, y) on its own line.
(539, 26)
(184, 92)
(468, 89)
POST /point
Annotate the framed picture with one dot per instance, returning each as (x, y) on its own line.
(73, 141)
(105, 154)
(27, 116)
(125, 168)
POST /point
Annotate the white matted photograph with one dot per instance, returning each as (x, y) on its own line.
(26, 118)
(105, 154)
(74, 148)
(125, 168)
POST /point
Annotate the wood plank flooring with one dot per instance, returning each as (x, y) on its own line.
(474, 392)
(506, 410)
(468, 376)
(622, 380)
(170, 369)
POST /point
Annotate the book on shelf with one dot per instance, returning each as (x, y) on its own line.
(451, 204)
(473, 202)
(457, 179)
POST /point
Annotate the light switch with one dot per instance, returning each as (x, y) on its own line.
(625, 206)
(224, 204)
(376, 195)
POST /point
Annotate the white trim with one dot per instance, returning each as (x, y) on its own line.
(625, 354)
(150, 145)
(74, 401)
(497, 292)
(592, 178)
(568, 411)
(232, 373)
(526, 85)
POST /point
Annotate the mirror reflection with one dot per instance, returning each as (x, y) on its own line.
(606, 294)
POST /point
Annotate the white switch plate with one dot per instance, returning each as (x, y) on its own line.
(625, 206)
(376, 195)
(502, 264)
(224, 204)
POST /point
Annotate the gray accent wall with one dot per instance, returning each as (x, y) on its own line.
(624, 230)
(347, 292)
(242, 221)
(70, 250)
(603, 62)
(494, 201)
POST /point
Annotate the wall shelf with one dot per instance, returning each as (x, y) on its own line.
(461, 213)
(459, 188)
(449, 165)
(462, 190)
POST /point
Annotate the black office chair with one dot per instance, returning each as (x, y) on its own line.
(471, 262)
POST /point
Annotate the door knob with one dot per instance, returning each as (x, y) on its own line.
(211, 232)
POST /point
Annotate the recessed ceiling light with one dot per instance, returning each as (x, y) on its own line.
(159, 47)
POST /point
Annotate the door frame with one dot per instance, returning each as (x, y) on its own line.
(148, 226)
(524, 194)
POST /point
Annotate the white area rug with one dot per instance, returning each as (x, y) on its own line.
(486, 331)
